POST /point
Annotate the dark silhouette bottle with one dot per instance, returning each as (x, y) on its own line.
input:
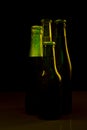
(63, 63)
(50, 79)
(34, 69)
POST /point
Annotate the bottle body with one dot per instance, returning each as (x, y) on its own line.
(50, 89)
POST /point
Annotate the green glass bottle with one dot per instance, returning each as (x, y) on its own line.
(34, 65)
(50, 89)
(63, 63)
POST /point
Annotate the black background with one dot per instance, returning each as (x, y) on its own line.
(15, 41)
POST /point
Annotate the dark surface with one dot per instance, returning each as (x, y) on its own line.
(13, 116)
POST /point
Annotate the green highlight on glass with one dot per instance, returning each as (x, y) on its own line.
(36, 48)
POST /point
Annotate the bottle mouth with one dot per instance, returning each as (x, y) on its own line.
(49, 43)
(46, 20)
(60, 21)
(36, 27)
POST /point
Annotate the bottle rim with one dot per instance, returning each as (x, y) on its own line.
(60, 21)
(46, 20)
(49, 43)
(36, 27)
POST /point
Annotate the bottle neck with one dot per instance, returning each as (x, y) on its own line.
(59, 39)
(48, 56)
(62, 54)
(47, 34)
(50, 59)
(59, 35)
(36, 48)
